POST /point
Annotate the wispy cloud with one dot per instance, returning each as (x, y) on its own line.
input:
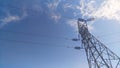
(86, 7)
(37, 8)
(72, 23)
(52, 9)
(55, 17)
(53, 5)
(11, 18)
(67, 6)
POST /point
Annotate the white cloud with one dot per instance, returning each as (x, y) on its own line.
(53, 5)
(86, 7)
(37, 8)
(8, 20)
(68, 5)
(109, 9)
(11, 18)
(73, 23)
(101, 9)
(90, 27)
(52, 9)
(56, 17)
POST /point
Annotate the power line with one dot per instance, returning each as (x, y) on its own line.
(37, 35)
(43, 44)
(33, 43)
(111, 43)
(46, 36)
(109, 34)
(34, 35)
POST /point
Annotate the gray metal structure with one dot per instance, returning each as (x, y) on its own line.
(98, 55)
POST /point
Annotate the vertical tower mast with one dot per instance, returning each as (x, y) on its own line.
(98, 55)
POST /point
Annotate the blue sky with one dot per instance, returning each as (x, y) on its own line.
(36, 33)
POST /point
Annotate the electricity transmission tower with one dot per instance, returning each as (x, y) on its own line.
(98, 55)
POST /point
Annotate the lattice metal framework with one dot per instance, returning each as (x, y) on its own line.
(98, 55)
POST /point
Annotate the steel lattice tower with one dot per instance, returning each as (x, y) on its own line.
(98, 55)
